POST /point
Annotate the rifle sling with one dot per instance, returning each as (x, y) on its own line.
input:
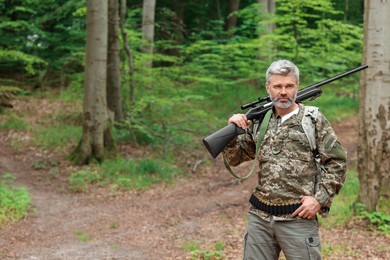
(260, 137)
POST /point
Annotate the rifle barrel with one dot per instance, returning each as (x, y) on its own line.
(303, 94)
(327, 81)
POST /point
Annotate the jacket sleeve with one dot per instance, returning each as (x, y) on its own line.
(242, 148)
(333, 159)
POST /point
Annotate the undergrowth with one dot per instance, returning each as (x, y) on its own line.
(15, 202)
(124, 173)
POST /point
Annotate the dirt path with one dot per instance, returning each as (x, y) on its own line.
(157, 223)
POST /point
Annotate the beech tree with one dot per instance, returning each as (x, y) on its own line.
(129, 53)
(114, 97)
(374, 126)
(97, 135)
(149, 8)
(231, 20)
(268, 7)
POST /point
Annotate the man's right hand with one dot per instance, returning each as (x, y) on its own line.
(240, 120)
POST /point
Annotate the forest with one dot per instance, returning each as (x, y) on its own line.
(104, 105)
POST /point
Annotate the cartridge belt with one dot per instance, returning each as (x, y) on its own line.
(273, 209)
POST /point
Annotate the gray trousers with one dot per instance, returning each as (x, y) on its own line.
(298, 239)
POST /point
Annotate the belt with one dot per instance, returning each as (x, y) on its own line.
(273, 209)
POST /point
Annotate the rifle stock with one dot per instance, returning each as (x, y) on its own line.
(216, 142)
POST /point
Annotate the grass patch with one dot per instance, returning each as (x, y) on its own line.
(137, 174)
(82, 236)
(214, 252)
(338, 249)
(124, 173)
(335, 107)
(13, 122)
(342, 208)
(56, 137)
(14, 201)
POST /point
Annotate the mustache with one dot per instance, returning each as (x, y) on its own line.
(276, 99)
(289, 99)
(277, 103)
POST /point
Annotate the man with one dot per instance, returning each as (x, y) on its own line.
(285, 202)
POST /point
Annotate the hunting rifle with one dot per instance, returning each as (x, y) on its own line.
(217, 141)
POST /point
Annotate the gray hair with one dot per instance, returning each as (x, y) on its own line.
(282, 67)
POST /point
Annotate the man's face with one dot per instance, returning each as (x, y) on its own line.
(282, 90)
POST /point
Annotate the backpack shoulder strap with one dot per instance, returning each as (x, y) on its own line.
(309, 127)
(309, 121)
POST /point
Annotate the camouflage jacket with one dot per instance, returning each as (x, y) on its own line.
(287, 167)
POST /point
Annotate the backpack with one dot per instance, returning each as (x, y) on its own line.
(309, 127)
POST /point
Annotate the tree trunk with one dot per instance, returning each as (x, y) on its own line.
(268, 7)
(114, 97)
(231, 20)
(96, 124)
(346, 10)
(216, 10)
(374, 117)
(148, 28)
(128, 51)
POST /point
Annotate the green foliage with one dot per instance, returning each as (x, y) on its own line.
(12, 90)
(14, 201)
(79, 181)
(251, 17)
(319, 45)
(377, 219)
(337, 103)
(42, 36)
(215, 253)
(12, 59)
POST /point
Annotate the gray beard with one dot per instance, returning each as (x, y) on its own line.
(284, 104)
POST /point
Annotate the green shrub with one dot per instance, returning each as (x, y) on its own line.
(377, 219)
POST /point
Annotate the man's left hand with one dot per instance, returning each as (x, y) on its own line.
(309, 208)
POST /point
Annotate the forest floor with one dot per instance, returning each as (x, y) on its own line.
(184, 220)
